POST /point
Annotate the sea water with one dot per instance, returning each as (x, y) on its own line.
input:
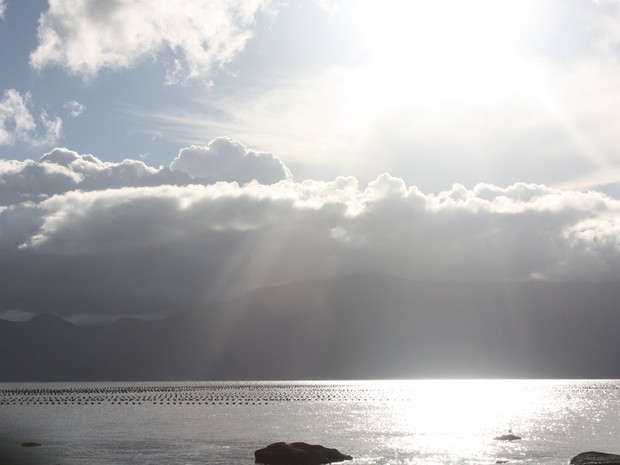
(377, 422)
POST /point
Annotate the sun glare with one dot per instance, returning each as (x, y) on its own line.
(461, 417)
(446, 50)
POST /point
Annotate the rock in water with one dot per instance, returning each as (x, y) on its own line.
(298, 453)
(595, 458)
(507, 437)
(30, 444)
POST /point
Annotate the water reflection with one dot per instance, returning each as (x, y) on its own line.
(456, 421)
(378, 422)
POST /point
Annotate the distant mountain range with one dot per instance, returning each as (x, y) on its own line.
(352, 327)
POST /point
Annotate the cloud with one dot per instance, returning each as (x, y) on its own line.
(22, 181)
(88, 36)
(2, 9)
(118, 247)
(52, 129)
(17, 124)
(224, 159)
(74, 108)
(62, 170)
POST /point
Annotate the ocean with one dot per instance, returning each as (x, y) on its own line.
(377, 422)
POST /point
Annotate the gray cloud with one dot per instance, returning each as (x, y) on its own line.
(63, 170)
(135, 246)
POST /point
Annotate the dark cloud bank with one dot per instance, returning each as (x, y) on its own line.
(488, 281)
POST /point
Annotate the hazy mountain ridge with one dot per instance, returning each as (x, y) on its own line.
(356, 326)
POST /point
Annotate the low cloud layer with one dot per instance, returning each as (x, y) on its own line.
(63, 170)
(131, 239)
(91, 35)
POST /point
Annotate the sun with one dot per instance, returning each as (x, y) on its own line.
(440, 50)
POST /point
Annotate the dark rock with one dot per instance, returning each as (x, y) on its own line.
(298, 453)
(595, 458)
(30, 444)
(507, 437)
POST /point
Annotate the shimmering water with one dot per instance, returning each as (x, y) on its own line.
(377, 422)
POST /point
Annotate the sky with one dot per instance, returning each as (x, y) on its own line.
(158, 156)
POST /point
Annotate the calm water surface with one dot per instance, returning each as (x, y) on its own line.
(377, 422)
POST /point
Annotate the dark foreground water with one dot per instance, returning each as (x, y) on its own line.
(377, 422)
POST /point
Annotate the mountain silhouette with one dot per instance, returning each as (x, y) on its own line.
(363, 326)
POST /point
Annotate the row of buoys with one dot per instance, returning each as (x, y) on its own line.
(204, 399)
(184, 388)
(211, 394)
(303, 398)
(169, 402)
(135, 403)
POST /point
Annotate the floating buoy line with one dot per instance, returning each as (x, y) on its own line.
(231, 394)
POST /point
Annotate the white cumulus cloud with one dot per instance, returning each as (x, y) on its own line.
(225, 159)
(2, 9)
(86, 36)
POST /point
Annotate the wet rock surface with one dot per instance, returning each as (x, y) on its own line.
(298, 453)
(595, 458)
